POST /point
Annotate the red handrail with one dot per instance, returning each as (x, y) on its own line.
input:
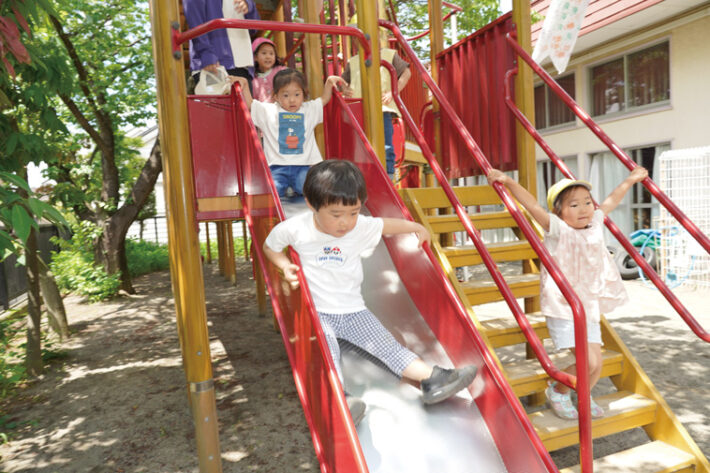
(581, 382)
(630, 164)
(455, 10)
(218, 23)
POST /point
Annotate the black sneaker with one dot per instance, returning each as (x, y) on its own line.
(357, 408)
(444, 383)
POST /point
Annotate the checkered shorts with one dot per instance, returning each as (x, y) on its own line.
(363, 330)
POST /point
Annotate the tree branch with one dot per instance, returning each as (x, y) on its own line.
(142, 188)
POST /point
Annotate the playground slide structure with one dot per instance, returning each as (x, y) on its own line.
(424, 309)
(407, 288)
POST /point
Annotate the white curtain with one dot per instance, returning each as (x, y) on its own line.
(656, 176)
(605, 173)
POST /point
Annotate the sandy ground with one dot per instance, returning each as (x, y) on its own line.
(117, 401)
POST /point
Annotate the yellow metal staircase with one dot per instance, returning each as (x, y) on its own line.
(633, 403)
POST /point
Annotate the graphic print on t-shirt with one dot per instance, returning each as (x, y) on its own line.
(292, 132)
(330, 256)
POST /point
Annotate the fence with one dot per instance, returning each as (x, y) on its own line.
(155, 229)
(13, 277)
(685, 178)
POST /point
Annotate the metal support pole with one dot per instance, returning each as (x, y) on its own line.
(183, 244)
(370, 80)
(221, 248)
(244, 240)
(314, 63)
(525, 100)
(231, 264)
(209, 249)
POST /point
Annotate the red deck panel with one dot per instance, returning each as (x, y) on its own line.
(213, 151)
(471, 75)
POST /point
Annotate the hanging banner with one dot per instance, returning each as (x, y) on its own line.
(559, 32)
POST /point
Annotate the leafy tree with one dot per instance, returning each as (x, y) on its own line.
(19, 209)
(413, 18)
(99, 71)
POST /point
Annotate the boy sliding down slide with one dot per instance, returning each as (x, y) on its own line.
(334, 192)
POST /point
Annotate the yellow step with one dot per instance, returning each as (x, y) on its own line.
(435, 197)
(624, 410)
(505, 251)
(484, 290)
(653, 457)
(451, 223)
(505, 331)
(527, 376)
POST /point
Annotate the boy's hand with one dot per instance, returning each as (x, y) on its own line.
(496, 176)
(291, 274)
(387, 97)
(423, 235)
(638, 174)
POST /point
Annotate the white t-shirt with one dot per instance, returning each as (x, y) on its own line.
(289, 139)
(332, 266)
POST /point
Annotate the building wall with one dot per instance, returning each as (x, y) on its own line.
(683, 123)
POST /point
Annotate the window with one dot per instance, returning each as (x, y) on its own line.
(638, 209)
(631, 81)
(643, 204)
(548, 174)
(550, 110)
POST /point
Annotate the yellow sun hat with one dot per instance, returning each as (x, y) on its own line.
(560, 186)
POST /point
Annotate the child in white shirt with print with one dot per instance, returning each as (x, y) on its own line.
(331, 239)
(288, 127)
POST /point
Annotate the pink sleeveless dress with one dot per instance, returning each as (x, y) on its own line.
(583, 258)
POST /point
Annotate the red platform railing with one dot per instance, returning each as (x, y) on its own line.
(220, 23)
(581, 381)
(663, 199)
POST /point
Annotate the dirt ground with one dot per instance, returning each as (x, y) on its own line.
(117, 401)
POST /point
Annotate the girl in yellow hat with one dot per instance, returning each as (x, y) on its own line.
(574, 236)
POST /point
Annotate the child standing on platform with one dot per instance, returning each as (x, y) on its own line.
(288, 126)
(331, 239)
(574, 236)
(266, 65)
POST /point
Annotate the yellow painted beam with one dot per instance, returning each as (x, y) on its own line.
(314, 64)
(371, 92)
(183, 244)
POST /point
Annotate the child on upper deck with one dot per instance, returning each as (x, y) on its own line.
(288, 126)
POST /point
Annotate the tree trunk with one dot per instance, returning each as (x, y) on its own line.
(112, 243)
(112, 250)
(56, 314)
(33, 358)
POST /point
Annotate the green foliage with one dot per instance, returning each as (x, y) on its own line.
(145, 257)
(238, 248)
(12, 369)
(74, 268)
(413, 18)
(19, 214)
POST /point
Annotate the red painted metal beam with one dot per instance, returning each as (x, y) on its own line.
(219, 23)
